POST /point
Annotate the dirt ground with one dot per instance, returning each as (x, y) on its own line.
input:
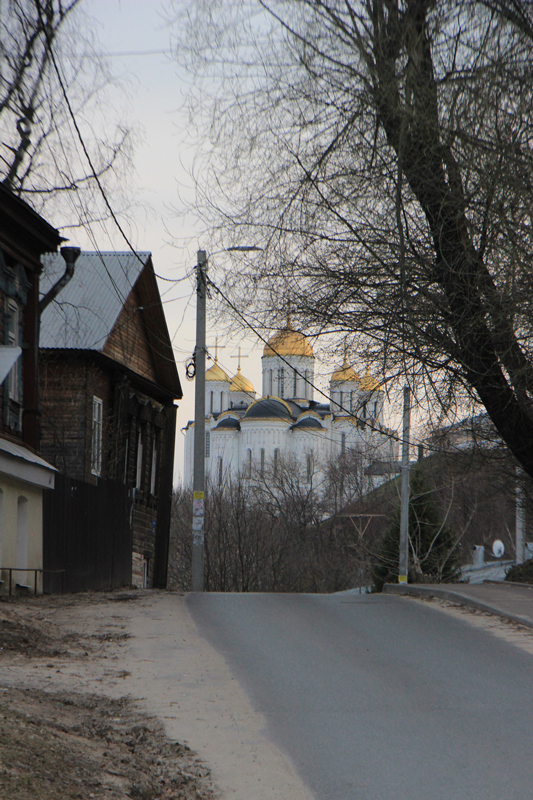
(57, 742)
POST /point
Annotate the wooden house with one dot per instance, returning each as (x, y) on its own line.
(24, 475)
(108, 386)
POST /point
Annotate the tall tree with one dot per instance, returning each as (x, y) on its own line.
(53, 83)
(381, 151)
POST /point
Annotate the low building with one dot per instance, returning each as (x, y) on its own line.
(24, 475)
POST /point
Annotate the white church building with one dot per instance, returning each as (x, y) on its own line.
(246, 435)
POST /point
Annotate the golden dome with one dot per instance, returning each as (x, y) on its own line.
(215, 373)
(345, 373)
(288, 342)
(368, 383)
(241, 384)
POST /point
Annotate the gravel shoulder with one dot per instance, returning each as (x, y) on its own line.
(117, 696)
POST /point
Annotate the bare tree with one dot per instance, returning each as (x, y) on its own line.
(381, 151)
(53, 84)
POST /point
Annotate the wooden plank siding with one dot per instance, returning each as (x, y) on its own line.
(127, 343)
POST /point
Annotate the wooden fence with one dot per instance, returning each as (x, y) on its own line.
(87, 531)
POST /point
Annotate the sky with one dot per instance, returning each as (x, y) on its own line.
(135, 35)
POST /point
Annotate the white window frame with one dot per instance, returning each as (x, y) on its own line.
(96, 437)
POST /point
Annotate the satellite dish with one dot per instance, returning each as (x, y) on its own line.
(498, 548)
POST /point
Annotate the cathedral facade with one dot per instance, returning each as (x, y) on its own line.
(250, 436)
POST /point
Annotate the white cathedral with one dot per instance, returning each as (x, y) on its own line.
(247, 436)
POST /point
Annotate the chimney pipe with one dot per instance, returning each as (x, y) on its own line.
(70, 256)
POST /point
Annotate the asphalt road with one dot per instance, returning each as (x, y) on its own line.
(381, 697)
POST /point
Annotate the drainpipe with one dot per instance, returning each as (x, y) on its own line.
(70, 256)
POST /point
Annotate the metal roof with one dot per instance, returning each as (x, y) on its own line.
(83, 314)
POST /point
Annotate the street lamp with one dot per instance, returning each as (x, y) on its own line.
(199, 417)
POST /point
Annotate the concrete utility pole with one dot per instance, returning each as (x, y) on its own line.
(199, 429)
(198, 510)
(404, 512)
(520, 517)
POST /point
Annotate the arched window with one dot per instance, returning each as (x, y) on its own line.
(219, 470)
(309, 468)
(262, 461)
(306, 387)
(295, 384)
(211, 402)
(282, 382)
(276, 460)
(270, 388)
(248, 464)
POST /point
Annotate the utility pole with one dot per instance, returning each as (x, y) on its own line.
(520, 517)
(404, 512)
(199, 429)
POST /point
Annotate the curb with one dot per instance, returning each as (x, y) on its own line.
(454, 597)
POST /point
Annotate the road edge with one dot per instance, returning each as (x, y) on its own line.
(412, 590)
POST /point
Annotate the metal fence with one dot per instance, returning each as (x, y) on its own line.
(87, 532)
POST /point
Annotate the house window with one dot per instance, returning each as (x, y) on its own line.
(96, 449)
(139, 465)
(343, 442)
(207, 444)
(153, 471)
(13, 339)
(219, 470)
(262, 461)
(126, 457)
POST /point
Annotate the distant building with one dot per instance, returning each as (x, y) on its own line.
(247, 435)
